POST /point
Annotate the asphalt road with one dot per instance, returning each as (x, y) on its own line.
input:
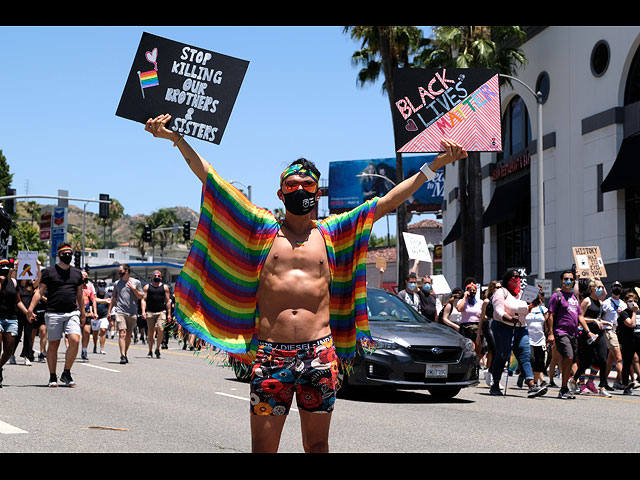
(183, 403)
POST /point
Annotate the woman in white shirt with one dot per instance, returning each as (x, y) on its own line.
(536, 319)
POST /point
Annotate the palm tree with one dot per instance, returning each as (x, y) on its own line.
(163, 218)
(490, 47)
(116, 212)
(383, 49)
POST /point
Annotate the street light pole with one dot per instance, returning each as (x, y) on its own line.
(539, 148)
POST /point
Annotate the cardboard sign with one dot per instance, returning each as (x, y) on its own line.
(440, 285)
(529, 293)
(381, 263)
(589, 262)
(460, 104)
(27, 266)
(416, 247)
(197, 87)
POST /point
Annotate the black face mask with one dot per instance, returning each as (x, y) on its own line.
(66, 258)
(616, 291)
(299, 202)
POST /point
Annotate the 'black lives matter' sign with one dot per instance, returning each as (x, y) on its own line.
(197, 87)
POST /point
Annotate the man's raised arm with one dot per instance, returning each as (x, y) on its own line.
(157, 127)
(401, 192)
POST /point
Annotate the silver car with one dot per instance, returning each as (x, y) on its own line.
(411, 352)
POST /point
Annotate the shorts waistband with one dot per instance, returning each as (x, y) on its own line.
(294, 346)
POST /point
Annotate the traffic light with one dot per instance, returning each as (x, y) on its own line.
(76, 259)
(10, 203)
(186, 230)
(103, 211)
(146, 235)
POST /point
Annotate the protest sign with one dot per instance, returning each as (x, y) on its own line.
(27, 266)
(589, 262)
(416, 247)
(381, 263)
(197, 87)
(440, 285)
(460, 104)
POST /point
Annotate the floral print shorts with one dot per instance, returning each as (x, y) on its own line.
(309, 371)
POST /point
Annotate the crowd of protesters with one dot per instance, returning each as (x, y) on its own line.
(574, 339)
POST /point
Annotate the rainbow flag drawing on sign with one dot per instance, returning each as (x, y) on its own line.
(148, 79)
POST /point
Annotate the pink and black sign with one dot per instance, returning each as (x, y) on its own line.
(460, 104)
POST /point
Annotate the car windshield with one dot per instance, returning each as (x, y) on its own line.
(383, 306)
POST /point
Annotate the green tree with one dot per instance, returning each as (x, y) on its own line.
(27, 237)
(5, 176)
(163, 218)
(491, 47)
(384, 48)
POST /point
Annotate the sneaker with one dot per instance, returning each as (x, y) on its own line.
(95, 349)
(573, 386)
(618, 386)
(66, 379)
(157, 353)
(495, 390)
(27, 362)
(584, 390)
(520, 381)
(53, 380)
(634, 384)
(150, 354)
(12, 360)
(544, 384)
(565, 394)
(552, 384)
(604, 393)
(83, 356)
(123, 360)
(41, 357)
(536, 391)
(628, 391)
(102, 352)
(608, 388)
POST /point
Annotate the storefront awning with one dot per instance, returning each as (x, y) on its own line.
(623, 173)
(505, 201)
(455, 232)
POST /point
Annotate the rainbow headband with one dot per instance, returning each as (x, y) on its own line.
(297, 169)
(65, 249)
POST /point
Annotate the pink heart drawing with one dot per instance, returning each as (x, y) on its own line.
(152, 56)
(411, 126)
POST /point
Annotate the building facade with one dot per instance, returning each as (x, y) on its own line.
(589, 78)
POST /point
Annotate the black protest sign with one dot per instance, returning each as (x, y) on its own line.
(460, 104)
(197, 87)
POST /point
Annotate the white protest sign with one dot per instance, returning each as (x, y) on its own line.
(416, 247)
(440, 285)
(27, 266)
(529, 293)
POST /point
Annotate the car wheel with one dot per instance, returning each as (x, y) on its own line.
(444, 393)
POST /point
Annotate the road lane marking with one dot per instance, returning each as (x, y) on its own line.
(7, 429)
(244, 398)
(96, 366)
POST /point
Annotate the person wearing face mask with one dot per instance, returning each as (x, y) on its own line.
(8, 314)
(100, 324)
(611, 309)
(411, 293)
(592, 349)
(90, 307)
(65, 314)
(470, 309)
(510, 334)
(428, 301)
(156, 310)
(291, 291)
(629, 336)
(562, 324)
(124, 305)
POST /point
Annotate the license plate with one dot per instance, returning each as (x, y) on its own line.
(435, 370)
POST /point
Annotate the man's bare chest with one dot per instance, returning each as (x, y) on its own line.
(305, 253)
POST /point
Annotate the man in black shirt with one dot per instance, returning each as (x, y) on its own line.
(65, 311)
(427, 299)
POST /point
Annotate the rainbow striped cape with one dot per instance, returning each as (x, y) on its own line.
(216, 291)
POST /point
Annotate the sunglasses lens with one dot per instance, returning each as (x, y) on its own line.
(289, 187)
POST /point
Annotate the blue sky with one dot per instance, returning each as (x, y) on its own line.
(61, 87)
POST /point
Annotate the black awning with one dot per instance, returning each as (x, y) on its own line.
(506, 200)
(455, 232)
(623, 173)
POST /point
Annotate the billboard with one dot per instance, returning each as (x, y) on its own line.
(352, 182)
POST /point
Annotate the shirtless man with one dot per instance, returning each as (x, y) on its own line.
(294, 298)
